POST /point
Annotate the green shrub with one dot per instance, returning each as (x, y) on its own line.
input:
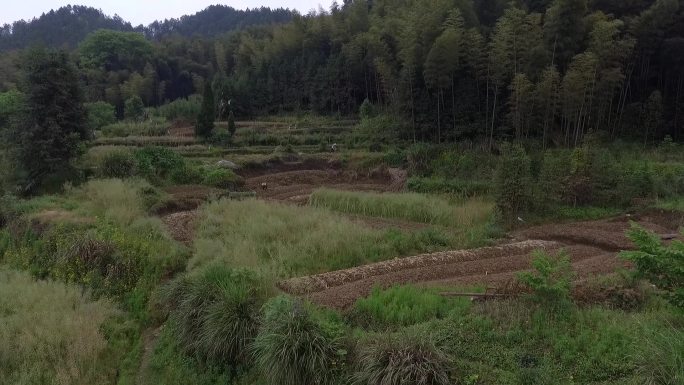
(221, 137)
(221, 178)
(401, 359)
(215, 313)
(662, 265)
(52, 334)
(366, 110)
(134, 109)
(513, 184)
(293, 347)
(402, 306)
(100, 114)
(186, 175)
(116, 164)
(183, 109)
(157, 163)
(551, 279)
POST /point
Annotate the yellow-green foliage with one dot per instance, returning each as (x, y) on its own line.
(50, 333)
(121, 201)
(403, 306)
(288, 240)
(414, 207)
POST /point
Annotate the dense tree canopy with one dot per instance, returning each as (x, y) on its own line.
(45, 137)
(453, 69)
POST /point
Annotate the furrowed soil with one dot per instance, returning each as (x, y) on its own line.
(592, 246)
(291, 185)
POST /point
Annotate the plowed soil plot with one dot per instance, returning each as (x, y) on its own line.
(592, 247)
(296, 186)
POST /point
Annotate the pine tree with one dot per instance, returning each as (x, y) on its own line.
(53, 123)
(231, 123)
(205, 120)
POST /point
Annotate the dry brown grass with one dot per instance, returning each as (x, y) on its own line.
(50, 333)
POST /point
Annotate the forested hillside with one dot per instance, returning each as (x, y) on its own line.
(67, 26)
(437, 70)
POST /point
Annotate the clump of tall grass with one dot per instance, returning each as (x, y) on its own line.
(50, 333)
(401, 359)
(403, 306)
(285, 241)
(215, 313)
(151, 127)
(410, 206)
(661, 356)
(121, 201)
(293, 347)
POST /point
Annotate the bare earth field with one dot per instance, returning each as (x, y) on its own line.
(592, 247)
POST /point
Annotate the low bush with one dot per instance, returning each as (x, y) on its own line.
(401, 359)
(182, 109)
(414, 207)
(215, 313)
(551, 279)
(117, 164)
(221, 178)
(295, 347)
(100, 114)
(189, 174)
(157, 163)
(662, 265)
(51, 334)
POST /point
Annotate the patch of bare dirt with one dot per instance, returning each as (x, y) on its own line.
(181, 225)
(297, 185)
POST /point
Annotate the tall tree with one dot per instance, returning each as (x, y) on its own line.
(205, 121)
(53, 123)
(564, 30)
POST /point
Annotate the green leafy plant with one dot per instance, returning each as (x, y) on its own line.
(156, 163)
(662, 265)
(551, 279)
(221, 178)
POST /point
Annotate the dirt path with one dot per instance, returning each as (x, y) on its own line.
(592, 247)
(149, 337)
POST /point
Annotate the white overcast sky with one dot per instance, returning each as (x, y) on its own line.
(146, 11)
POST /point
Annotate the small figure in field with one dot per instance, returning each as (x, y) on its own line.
(333, 148)
(264, 186)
